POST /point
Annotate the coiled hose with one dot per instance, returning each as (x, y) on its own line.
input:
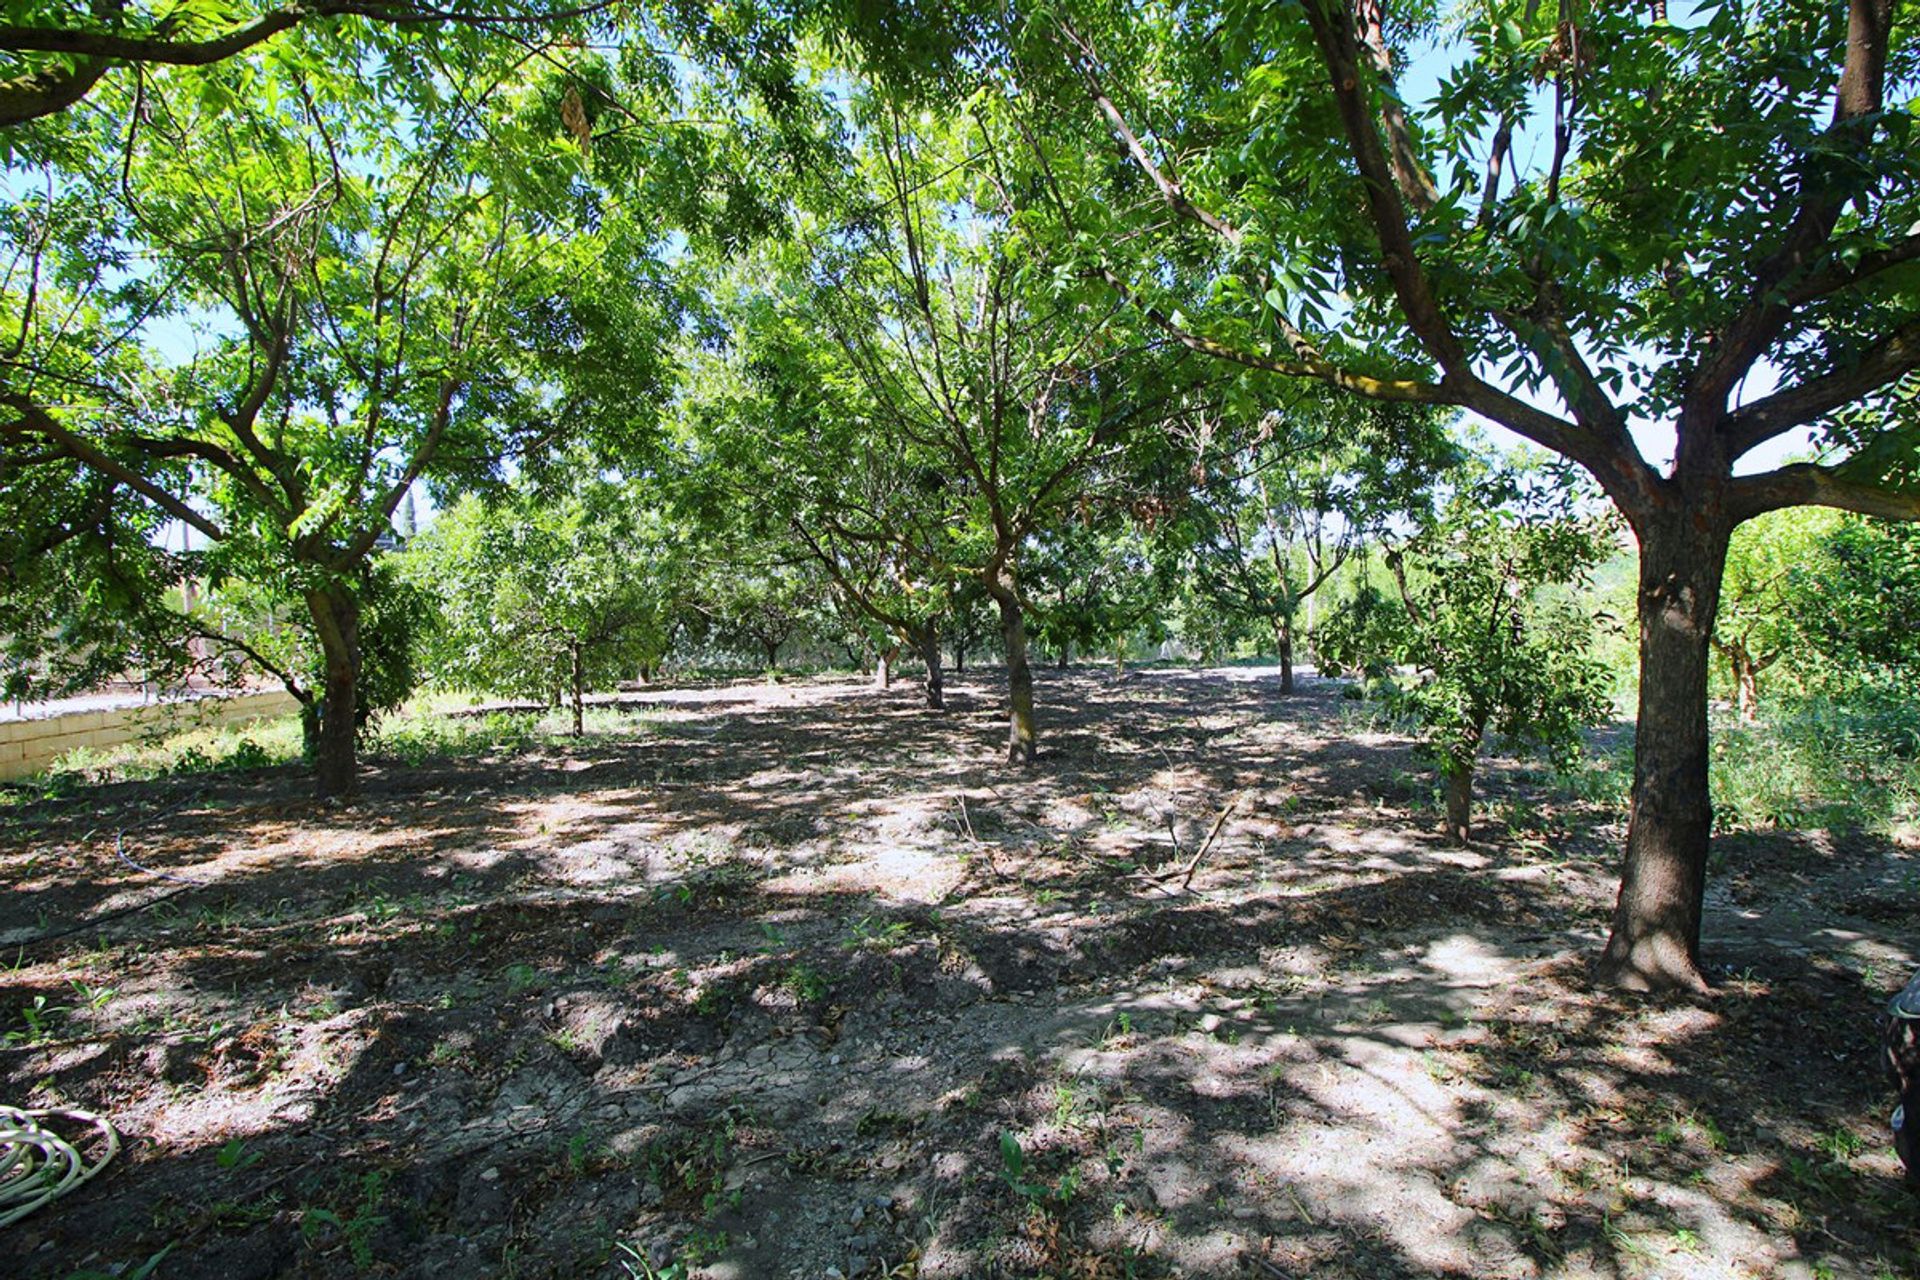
(37, 1165)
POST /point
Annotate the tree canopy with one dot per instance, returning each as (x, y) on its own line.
(1071, 309)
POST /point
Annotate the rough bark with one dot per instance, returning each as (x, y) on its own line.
(579, 717)
(1013, 626)
(1655, 943)
(928, 642)
(1457, 779)
(1283, 641)
(336, 620)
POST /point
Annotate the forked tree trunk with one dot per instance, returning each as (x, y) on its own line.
(1013, 625)
(928, 642)
(579, 718)
(336, 621)
(883, 667)
(1655, 943)
(773, 654)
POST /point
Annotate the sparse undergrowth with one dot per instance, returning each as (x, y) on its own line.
(743, 988)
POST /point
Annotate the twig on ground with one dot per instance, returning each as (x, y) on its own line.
(1193, 863)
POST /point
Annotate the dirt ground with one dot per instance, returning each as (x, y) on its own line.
(801, 981)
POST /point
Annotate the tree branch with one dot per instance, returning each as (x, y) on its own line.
(1803, 484)
(1756, 423)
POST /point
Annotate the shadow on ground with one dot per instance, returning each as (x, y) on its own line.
(796, 980)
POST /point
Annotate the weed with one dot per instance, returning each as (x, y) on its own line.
(142, 1272)
(316, 1224)
(523, 977)
(41, 1018)
(805, 984)
(93, 999)
(638, 1267)
(1039, 1195)
(869, 935)
(234, 1156)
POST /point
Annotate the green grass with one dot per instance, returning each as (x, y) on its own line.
(223, 749)
(428, 728)
(1842, 763)
(1847, 763)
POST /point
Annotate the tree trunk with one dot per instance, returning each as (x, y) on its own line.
(579, 725)
(929, 644)
(310, 728)
(1656, 921)
(1457, 778)
(336, 620)
(883, 667)
(773, 654)
(1013, 625)
(1283, 641)
(1061, 658)
(1748, 676)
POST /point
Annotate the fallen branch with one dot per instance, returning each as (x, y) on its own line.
(1193, 863)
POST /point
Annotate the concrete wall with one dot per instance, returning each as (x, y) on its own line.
(30, 746)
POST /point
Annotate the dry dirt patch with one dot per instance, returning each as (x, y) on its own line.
(799, 980)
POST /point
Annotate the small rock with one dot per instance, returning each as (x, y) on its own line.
(399, 1068)
(859, 1215)
(489, 1175)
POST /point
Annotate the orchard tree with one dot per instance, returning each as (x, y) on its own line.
(1770, 571)
(1624, 236)
(364, 318)
(1005, 383)
(780, 431)
(1288, 502)
(56, 55)
(1096, 582)
(1855, 602)
(573, 591)
(1489, 621)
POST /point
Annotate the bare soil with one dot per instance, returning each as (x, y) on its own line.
(799, 980)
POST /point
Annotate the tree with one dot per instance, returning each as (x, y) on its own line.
(1855, 605)
(58, 58)
(370, 318)
(1289, 502)
(935, 395)
(1096, 582)
(1721, 196)
(1498, 645)
(574, 591)
(1768, 563)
